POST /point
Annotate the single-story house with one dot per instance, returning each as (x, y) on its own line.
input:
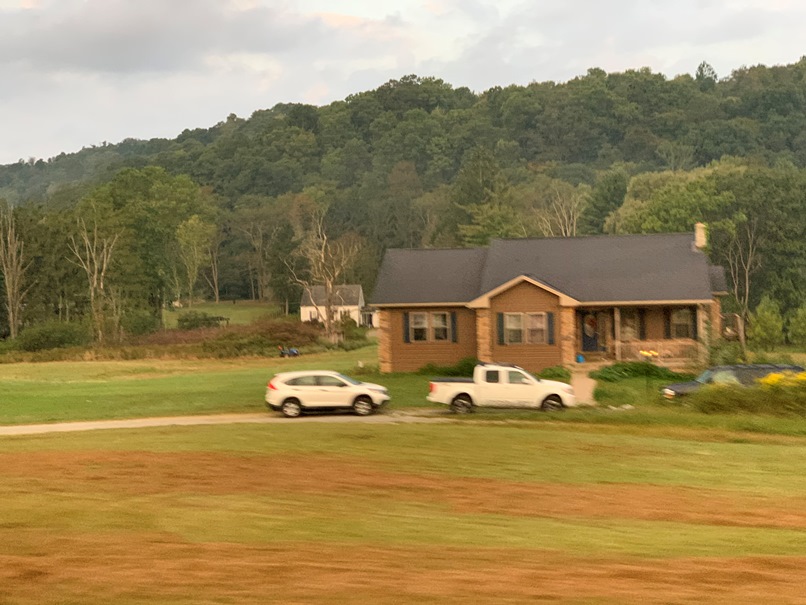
(348, 302)
(551, 301)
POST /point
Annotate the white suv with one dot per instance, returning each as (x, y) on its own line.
(293, 393)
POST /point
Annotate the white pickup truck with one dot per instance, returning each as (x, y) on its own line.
(500, 386)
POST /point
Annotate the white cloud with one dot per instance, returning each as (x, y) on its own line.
(78, 72)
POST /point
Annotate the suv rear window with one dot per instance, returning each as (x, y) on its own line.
(302, 381)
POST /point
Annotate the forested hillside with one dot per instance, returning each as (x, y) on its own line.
(236, 210)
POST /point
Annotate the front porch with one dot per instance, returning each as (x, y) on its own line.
(677, 333)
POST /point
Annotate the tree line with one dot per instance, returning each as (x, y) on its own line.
(238, 210)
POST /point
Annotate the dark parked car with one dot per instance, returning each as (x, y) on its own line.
(743, 375)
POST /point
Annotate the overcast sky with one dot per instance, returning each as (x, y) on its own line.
(75, 73)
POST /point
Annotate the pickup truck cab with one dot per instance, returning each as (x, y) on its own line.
(500, 386)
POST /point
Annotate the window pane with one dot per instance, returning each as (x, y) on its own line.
(536, 328)
(492, 376)
(440, 325)
(629, 325)
(419, 326)
(330, 381)
(681, 323)
(513, 328)
(516, 377)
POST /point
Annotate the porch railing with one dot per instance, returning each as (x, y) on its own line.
(678, 348)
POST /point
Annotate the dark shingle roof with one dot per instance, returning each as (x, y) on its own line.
(437, 276)
(345, 296)
(718, 281)
(605, 268)
(589, 269)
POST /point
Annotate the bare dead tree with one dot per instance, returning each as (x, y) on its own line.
(93, 253)
(13, 266)
(742, 254)
(327, 261)
(561, 216)
(212, 276)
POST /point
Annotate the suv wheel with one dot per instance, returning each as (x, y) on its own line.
(362, 406)
(291, 408)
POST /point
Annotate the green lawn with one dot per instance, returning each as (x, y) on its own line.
(240, 312)
(69, 391)
(65, 391)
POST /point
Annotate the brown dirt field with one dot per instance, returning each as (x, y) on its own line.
(209, 473)
(125, 569)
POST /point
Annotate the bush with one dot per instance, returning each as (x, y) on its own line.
(636, 369)
(556, 373)
(53, 335)
(139, 322)
(781, 394)
(779, 359)
(766, 328)
(352, 331)
(724, 352)
(191, 320)
(261, 338)
(463, 368)
(797, 327)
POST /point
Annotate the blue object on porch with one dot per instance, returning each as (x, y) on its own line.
(580, 358)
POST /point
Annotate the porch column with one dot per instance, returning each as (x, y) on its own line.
(385, 340)
(568, 335)
(704, 337)
(617, 330)
(484, 337)
(716, 319)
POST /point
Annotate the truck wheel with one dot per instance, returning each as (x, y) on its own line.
(462, 404)
(552, 403)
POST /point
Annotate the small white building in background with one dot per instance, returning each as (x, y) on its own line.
(349, 302)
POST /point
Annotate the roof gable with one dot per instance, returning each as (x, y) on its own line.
(484, 299)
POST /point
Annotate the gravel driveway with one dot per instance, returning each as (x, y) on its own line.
(397, 417)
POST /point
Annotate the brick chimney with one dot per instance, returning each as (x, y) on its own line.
(700, 236)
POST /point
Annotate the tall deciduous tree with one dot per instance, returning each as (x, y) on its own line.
(742, 253)
(93, 247)
(213, 276)
(259, 220)
(606, 197)
(14, 265)
(194, 237)
(490, 221)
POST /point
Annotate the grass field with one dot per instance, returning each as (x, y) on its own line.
(399, 514)
(101, 390)
(241, 312)
(64, 391)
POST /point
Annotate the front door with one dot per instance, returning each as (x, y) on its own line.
(590, 332)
